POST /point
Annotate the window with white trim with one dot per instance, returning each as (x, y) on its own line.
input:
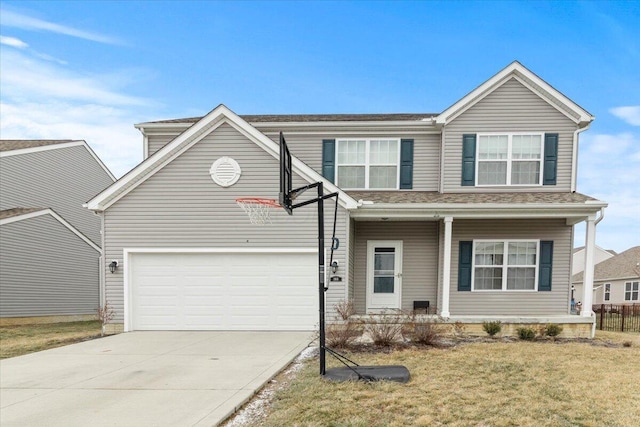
(509, 159)
(607, 291)
(509, 265)
(367, 163)
(631, 291)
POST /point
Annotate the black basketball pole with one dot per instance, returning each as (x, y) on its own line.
(321, 274)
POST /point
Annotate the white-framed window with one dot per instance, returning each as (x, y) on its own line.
(509, 159)
(368, 163)
(607, 291)
(505, 265)
(632, 291)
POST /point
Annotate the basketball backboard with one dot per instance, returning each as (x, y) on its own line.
(286, 185)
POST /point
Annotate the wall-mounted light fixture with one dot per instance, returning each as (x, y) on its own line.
(334, 267)
(113, 266)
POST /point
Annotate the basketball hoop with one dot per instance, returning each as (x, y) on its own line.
(259, 210)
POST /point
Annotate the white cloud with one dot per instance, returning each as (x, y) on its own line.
(609, 170)
(13, 42)
(630, 114)
(16, 20)
(43, 100)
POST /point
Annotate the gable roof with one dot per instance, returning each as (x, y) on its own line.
(517, 71)
(217, 117)
(9, 216)
(305, 118)
(625, 265)
(16, 147)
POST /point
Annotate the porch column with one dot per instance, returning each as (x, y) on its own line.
(446, 273)
(589, 251)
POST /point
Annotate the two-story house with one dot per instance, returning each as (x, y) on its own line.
(50, 245)
(471, 209)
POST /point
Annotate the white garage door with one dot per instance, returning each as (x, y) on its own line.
(223, 291)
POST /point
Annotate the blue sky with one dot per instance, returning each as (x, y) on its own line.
(90, 70)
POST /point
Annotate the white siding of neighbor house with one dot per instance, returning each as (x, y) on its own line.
(181, 207)
(617, 292)
(426, 152)
(510, 108)
(525, 303)
(46, 270)
(62, 179)
(419, 259)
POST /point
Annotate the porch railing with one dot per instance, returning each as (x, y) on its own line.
(618, 317)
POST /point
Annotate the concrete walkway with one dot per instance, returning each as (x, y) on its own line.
(143, 378)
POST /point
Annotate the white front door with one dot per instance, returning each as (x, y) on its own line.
(384, 274)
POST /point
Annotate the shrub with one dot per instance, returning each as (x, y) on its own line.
(492, 328)
(343, 334)
(384, 329)
(345, 309)
(105, 314)
(459, 329)
(627, 344)
(525, 333)
(345, 330)
(552, 330)
(426, 331)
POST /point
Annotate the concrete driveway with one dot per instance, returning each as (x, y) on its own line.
(143, 378)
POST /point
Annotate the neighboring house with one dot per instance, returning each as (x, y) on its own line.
(50, 245)
(616, 280)
(471, 209)
(598, 256)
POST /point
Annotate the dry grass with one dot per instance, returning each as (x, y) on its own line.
(485, 384)
(24, 339)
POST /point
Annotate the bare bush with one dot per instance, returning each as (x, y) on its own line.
(343, 334)
(345, 330)
(423, 330)
(385, 329)
(345, 309)
(459, 329)
(105, 314)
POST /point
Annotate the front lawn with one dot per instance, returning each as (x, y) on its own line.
(478, 384)
(23, 339)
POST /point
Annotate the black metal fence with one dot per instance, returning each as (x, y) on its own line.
(618, 317)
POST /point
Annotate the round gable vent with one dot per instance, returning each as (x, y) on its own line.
(225, 171)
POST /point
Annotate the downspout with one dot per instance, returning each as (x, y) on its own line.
(103, 264)
(574, 166)
(442, 160)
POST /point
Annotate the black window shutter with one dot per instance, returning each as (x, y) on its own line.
(550, 159)
(464, 266)
(406, 164)
(546, 265)
(329, 159)
(469, 160)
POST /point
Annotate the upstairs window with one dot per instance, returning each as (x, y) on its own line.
(505, 265)
(367, 163)
(607, 291)
(509, 159)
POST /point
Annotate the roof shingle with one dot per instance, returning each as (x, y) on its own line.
(445, 198)
(307, 118)
(10, 213)
(625, 264)
(19, 144)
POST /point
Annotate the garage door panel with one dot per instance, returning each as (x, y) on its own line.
(223, 291)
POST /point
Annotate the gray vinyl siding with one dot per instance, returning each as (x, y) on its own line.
(62, 179)
(495, 303)
(181, 207)
(419, 259)
(510, 108)
(156, 142)
(46, 270)
(426, 156)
